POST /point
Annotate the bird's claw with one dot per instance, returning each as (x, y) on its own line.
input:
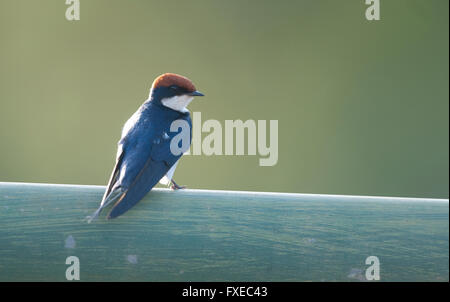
(177, 187)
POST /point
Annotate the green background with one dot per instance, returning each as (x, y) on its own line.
(362, 106)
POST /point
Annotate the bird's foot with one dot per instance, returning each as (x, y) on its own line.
(175, 187)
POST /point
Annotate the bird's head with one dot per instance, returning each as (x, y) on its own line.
(173, 91)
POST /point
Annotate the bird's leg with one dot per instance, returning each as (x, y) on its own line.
(174, 185)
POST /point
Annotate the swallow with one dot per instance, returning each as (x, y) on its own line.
(144, 156)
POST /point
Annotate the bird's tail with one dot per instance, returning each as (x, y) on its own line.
(94, 215)
(112, 197)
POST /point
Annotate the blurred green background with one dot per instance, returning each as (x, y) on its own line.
(362, 106)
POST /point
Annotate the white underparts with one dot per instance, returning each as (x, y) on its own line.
(178, 102)
(168, 177)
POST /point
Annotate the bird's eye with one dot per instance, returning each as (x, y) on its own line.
(174, 87)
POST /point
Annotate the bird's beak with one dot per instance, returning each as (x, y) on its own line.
(196, 93)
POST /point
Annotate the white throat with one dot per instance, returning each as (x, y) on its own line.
(178, 102)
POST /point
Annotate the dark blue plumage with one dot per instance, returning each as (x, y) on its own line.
(144, 155)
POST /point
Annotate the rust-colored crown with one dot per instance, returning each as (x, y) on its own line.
(169, 79)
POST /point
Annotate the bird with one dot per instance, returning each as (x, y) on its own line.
(144, 155)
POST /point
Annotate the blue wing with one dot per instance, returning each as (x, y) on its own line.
(142, 165)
